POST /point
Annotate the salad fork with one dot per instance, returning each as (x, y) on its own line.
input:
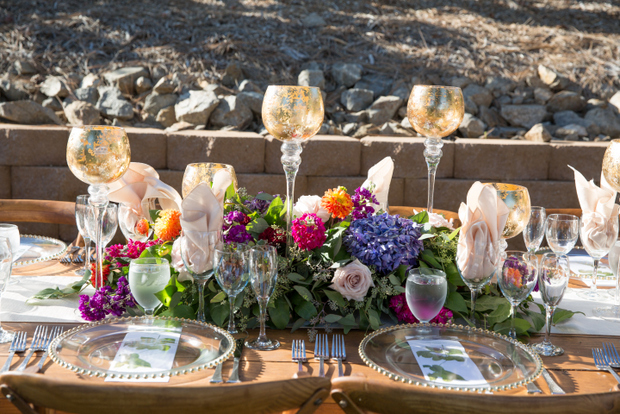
(68, 257)
(601, 363)
(17, 345)
(55, 332)
(321, 351)
(299, 353)
(339, 352)
(38, 339)
(611, 354)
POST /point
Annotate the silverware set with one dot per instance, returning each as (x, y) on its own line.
(69, 255)
(607, 358)
(321, 352)
(234, 375)
(40, 342)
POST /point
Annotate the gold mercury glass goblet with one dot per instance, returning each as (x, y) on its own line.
(435, 112)
(292, 114)
(98, 156)
(203, 172)
(517, 199)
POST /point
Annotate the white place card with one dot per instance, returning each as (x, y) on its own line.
(445, 362)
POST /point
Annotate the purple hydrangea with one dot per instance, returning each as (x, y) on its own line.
(384, 241)
(237, 234)
(106, 301)
(363, 201)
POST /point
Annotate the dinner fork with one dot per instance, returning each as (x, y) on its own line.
(611, 354)
(79, 257)
(55, 332)
(67, 258)
(299, 353)
(17, 345)
(37, 345)
(601, 363)
(339, 352)
(321, 351)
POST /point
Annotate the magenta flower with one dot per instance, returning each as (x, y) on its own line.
(399, 305)
(308, 231)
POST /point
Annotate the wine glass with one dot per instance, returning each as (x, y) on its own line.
(133, 225)
(426, 292)
(109, 225)
(98, 156)
(435, 112)
(612, 312)
(517, 199)
(147, 276)
(534, 231)
(562, 232)
(292, 114)
(6, 264)
(230, 265)
(554, 272)
(203, 172)
(81, 213)
(197, 249)
(597, 247)
(517, 280)
(11, 232)
(263, 278)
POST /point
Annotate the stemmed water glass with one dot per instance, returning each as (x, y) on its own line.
(517, 199)
(517, 280)
(6, 264)
(203, 172)
(197, 249)
(98, 155)
(263, 278)
(435, 112)
(426, 292)
(534, 231)
(562, 232)
(81, 213)
(554, 273)
(109, 225)
(612, 312)
(231, 265)
(11, 232)
(147, 276)
(292, 114)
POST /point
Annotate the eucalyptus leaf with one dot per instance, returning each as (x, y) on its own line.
(332, 318)
(298, 324)
(264, 197)
(336, 297)
(306, 310)
(305, 293)
(219, 297)
(456, 302)
(279, 314)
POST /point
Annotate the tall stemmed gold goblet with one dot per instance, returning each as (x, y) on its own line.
(517, 198)
(203, 172)
(98, 156)
(435, 112)
(292, 114)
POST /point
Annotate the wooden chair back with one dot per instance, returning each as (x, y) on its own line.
(408, 211)
(357, 395)
(573, 211)
(95, 397)
(37, 211)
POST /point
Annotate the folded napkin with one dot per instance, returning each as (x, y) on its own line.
(483, 219)
(138, 189)
(597, 208)
(380, 175)
(201, 213)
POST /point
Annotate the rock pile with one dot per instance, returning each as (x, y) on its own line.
(541, 107)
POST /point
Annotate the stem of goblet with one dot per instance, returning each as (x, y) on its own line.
(513, 331)
(201, 301)
(617, 286)
(432, 155)
(231, 320)
(550, 310)
(291, 160)
(474, 296)
(99, 200)
(87, 253)
(262, 335)
(594, 276)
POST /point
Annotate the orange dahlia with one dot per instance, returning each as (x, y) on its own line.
(93, 274)
(337, 202)
(168, 225)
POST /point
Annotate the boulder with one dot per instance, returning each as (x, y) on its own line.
(91, 81)
(552, 79)
(566, 101)
(125, 78)
(356, 99)
(606, 119)
(214, 88)
(231, 112)
(313, 20)
(90, 95)
(310, 77)
(23, 67)
(164, 86)
(28, 112)
(143, 84)
(357, 117)
(471, 127)
(80, 113)
(542, 95)
(233, 75)
(378, 84)
(383, 109)
(478, 94)
(195, 107)
(491, 117)
(54, 86)
(500, 86)
(252, 100)
(349, 129)
(167, 117)
(571, 132)
(394, 129)
(564, 118)
(460, 82)
(400, 89)
(247, 85)
(13, 91)
(155, 102)
(470, 106)
(615, 101)
(52, 103)
(112, 104)
(346, 74)
(538, 133)
(523, 115)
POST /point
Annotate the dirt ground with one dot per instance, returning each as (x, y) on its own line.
(272, 40)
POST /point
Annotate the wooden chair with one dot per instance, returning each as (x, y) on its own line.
(357, 394)
(408, 211)
(37, 211)
(90, 397)
(573, 211)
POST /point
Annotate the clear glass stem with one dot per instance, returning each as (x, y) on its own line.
(262, 335)
(291, 160)
(87, 253)
(474, 296)
(432, 155)
(550, 311)
(618, 287)
(594, 277)
(201, 301)
(99, 200)
(231, 319)
(513, 331)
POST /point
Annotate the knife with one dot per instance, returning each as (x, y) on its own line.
(553, 386)
(234, 377)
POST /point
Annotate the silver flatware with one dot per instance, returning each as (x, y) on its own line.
(299, 354)
(532, 388)
(68, 257)
(38, 339)
(339, 352)
(321, 352)
(601, 363)
(217, 376)
(553, 386)
(611, 354)
(79, 257)
(234, 376)
(53, 334)
(17, 345)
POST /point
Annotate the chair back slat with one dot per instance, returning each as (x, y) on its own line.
(37, 211)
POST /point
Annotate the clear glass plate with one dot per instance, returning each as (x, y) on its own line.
(39, 249)
(503, 362)
(90, 349)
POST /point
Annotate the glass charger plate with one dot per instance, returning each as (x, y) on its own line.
(582, 265)
(503, 362)
(90, 349)
(39, 249)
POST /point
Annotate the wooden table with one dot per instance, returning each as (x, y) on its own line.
(574, 371)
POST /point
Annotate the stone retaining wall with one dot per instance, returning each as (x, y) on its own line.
(33, 165)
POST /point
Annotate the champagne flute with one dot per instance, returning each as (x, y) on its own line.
(203, 172)
(562, 232)
(534, 231)
(426, 292)
(598, 246)
(6, 264)
(230, 265)
(517, 199)
(435, 112)
(292, 114)
(263, 278)
(147, 276)
(612, 312)
(197, 249)
(81, 213)
(552, 279)
(11, 232)
(517, 280)
(98, 155)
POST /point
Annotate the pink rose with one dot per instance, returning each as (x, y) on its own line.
(352, 281)
(310, 205)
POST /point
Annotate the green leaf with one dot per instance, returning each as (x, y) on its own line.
(218, 298)
(305, 293)
(180, 311)
(373, 317)
(298, 324)
(279, 314)
(297, 278)
(230, 192)
(537, 319)
(274, 212)
(219, 313)
(562, 314)
(348, 320)
(421, 218)
(428, 257)
(332, 318)
(394, 280)
(454, 233)
(521, 326)
(176, 298)
(306, 310)
(212, 286)
(336, 297)
(456, 302)
(264, 197)
(257, 226)
(154, 215)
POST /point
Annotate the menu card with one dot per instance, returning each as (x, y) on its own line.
(445, 362)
